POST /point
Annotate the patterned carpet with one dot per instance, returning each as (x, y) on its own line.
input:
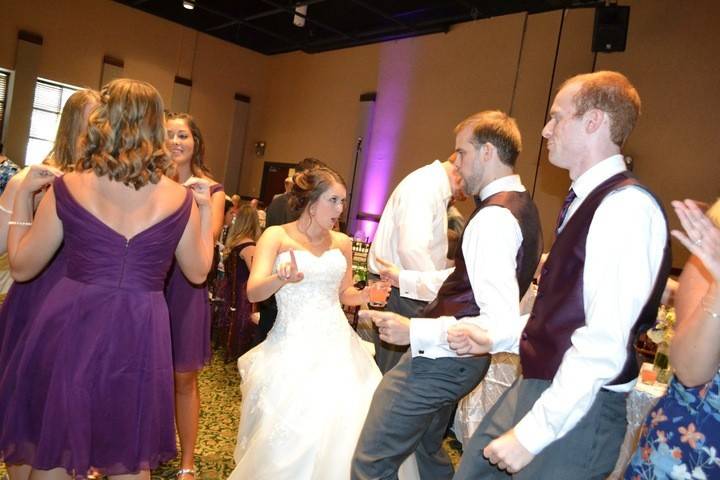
(220, 391)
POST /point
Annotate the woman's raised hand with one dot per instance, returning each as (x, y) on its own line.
(288, 271)
(701, 236)
(39, 176)
(200, 189)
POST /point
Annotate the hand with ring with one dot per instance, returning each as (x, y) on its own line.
(701, 236)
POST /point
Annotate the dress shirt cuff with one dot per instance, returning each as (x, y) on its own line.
(420, 285)
(505, 338)
(428, 337)
(532, 434)
(408, 280)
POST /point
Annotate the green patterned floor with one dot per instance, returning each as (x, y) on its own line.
(220, 391)
(219, 416)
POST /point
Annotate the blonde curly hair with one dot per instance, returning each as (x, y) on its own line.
(126, 135)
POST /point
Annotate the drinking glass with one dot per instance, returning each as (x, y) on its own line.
(379, 291)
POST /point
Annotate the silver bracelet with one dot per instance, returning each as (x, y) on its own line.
(9, 212)
(19, 224)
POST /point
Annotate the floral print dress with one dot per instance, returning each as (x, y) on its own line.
(681, 436)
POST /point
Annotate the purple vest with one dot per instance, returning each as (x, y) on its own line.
(455, 297)
(559, 307)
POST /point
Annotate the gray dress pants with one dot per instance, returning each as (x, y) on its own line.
(588, 451)
(410, 412)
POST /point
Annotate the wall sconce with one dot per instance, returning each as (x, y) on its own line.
(259, 149)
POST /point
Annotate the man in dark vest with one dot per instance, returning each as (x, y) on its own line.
(564, 418)
(500, 249)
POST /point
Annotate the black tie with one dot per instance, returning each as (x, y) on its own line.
(564, 210)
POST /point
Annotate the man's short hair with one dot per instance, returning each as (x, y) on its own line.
(497, 128)
(612, 93)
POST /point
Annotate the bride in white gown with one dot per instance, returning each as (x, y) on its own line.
(307, 388)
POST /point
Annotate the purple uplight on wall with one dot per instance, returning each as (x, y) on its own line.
(394, 78)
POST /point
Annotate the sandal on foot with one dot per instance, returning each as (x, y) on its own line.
(185, 471)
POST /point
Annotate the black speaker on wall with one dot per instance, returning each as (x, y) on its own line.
(610, 30)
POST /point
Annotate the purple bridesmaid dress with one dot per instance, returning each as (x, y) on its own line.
(21, 305)
(93, 382)
(189, 317)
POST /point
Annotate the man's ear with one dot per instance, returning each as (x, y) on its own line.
(488, 152)
(593, 120)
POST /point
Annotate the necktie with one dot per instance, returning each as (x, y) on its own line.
(564, 210)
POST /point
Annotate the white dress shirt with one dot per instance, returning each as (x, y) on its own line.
(623, 252)
(490, 245)
(412, 232)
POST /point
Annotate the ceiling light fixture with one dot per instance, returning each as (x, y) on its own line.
(189, 4)
(300, 14)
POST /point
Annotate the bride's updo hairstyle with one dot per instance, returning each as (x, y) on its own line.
(126, 135)
(309, 185)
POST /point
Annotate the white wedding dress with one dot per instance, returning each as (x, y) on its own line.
(307, 388)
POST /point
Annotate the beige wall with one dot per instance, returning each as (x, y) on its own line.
(311, 109)
(81, 32)
(671, 56)
(308, 104)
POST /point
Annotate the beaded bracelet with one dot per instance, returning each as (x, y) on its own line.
(709, 311)
(9, 212)
(19, 224)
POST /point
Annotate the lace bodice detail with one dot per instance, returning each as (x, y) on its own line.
(318, 292)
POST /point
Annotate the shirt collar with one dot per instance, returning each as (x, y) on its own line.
(509, 183)
(597, 174)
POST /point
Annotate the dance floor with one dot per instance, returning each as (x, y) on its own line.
(220, 390)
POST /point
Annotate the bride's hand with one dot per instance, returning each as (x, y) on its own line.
(288, 271)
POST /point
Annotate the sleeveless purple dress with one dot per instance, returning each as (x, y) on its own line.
(93, 382)
(189, 308)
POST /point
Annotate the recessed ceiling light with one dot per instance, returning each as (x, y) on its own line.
(189, 4)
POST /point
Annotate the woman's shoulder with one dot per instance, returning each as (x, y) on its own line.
(340, 240)
(276, 233)
(170, 187)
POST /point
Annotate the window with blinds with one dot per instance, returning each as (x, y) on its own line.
(48, 103)
(4, 78)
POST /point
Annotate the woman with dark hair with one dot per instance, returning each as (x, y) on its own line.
(306, 389)
(92, 384)
(188, 301)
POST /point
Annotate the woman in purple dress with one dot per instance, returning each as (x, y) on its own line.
(188, 301)
(92, 384)
(23, 298)
(240, 246)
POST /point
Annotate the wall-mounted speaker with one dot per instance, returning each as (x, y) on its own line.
(610, 30)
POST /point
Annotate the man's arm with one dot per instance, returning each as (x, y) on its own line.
(490, 246)
(415, 215)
